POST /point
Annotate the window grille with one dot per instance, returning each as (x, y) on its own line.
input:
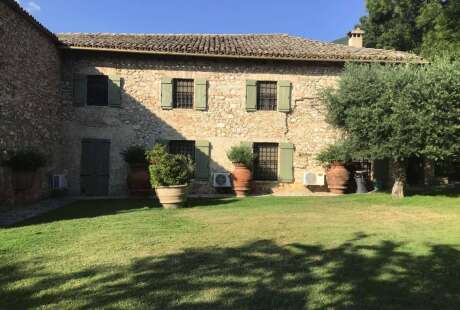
(182, 147)
(266, 96)
(266, 161)
(183, 94)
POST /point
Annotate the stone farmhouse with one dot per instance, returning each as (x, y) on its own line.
(83, 98)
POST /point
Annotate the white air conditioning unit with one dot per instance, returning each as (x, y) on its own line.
(312, 178)
(58, 181)
(221, 179)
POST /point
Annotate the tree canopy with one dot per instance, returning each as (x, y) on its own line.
(399, 111)
(439, 22)
(427, 27)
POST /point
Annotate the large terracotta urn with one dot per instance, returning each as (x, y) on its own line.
(172, 197)
(242, 177)
(139, 180)
(22, 180)
(337, 178)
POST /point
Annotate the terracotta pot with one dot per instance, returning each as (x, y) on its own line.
(22, 180)
(139, 179)
(242, 177)
(337, 177)
(172, 196)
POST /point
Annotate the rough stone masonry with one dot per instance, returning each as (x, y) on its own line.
(142, 121)
(38, 92)
(30, 105)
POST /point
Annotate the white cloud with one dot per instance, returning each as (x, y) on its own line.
(33, 7)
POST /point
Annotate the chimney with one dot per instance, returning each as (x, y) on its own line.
(355, 37)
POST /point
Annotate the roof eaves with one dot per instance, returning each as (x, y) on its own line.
(306, 59)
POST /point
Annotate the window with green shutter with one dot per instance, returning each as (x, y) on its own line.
(286, 162)
(268, 96)
(97, 90)
(198, 151)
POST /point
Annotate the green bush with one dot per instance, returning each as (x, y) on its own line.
(397, 112)
(24, 160)
(241, 154)
(339, 152)
(168, 169)
(134, 155)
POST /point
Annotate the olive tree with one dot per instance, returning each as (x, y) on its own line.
(399, 111)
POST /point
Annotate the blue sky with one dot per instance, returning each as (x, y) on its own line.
(315, 19)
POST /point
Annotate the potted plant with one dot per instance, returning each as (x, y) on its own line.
(138, 179)
(24, 164)
(169, 175)
(242, 158)
(334, 158)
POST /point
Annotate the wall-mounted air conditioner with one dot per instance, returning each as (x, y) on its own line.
(312, 178)
(58, 181)
(221, 179)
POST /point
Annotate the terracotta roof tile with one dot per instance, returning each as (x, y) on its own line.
(263, 46)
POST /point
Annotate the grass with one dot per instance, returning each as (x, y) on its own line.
(351, 252)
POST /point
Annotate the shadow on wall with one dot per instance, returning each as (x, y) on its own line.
(257, 275)
(131, 124)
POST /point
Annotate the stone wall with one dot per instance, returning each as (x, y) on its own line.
(29, 88)
(226, 122)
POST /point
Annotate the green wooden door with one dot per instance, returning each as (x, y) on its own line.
(94, 173)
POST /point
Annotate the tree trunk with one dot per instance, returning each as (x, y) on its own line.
(399, 173)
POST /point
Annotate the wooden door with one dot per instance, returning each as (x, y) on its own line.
(95, 159)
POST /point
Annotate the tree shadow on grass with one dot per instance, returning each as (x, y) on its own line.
(257, 275)
(92, 208)
(210, 202)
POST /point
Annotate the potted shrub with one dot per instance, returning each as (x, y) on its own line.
(242, 158)
(24, 164)
(169, 176)
(334, 158)
(138, 179)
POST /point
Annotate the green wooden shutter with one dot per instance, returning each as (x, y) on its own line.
(200, 94)
(202, 151)
(284, 96)
(166, 93)
(286, 162)
(114, 91)
(79, 90)
(163, 142)
(251, 95)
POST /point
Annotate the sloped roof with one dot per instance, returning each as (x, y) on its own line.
(257, 46)
(14, 5)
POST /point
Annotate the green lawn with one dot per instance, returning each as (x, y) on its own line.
(350, 252)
